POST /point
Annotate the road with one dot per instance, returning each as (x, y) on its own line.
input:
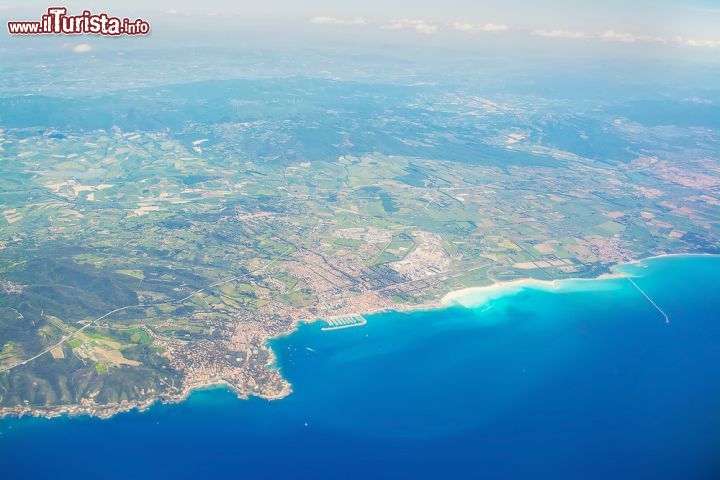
(128, 307)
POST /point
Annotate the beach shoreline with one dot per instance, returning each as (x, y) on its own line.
(453, 298)
(449, 300)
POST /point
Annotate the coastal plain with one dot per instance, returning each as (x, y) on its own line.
(149, 250)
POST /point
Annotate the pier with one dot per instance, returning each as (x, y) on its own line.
(667, 319)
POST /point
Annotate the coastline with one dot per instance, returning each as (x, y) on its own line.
(107, 411)
(503, 287)
(451, 299)
(664, 255)
(456, 297)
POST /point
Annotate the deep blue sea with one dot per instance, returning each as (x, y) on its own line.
(585, 381)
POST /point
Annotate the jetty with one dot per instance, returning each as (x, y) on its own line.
(652, 302)
(344, 322)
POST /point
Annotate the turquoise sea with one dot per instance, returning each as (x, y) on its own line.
(579, 382)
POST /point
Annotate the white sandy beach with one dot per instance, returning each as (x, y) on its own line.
(475, 296)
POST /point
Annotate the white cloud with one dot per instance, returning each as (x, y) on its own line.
(420, 26)
(337, 21)
(690, 42)
(560, 34)
(172, 11)
(472, 28)
(82, 48)
(613, 36)
(427, 28)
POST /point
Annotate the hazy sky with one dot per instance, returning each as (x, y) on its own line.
(685, 23)
(659, 14)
